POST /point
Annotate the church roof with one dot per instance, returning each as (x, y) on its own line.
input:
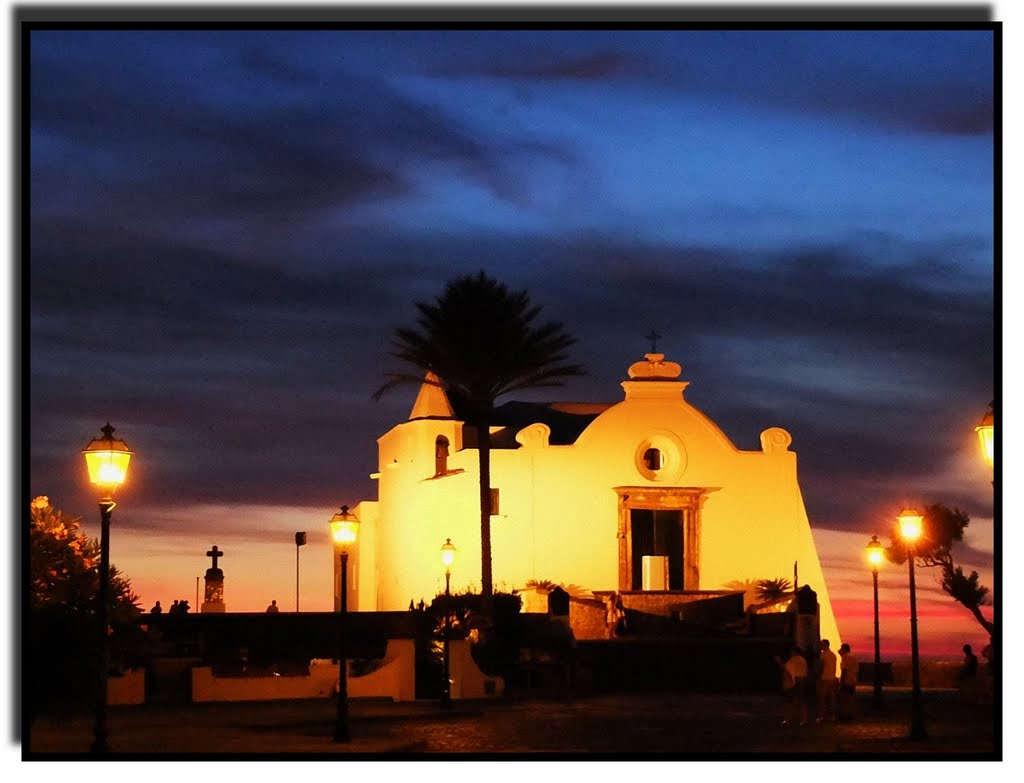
(566, 420)
(431, 402)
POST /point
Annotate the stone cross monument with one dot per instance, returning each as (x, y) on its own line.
(214, 596)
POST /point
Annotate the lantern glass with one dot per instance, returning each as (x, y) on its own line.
(910, 525)
(448, 553)
(987, 437)
(344, 528)
(876, 553)
(986, 430)
(107, 460)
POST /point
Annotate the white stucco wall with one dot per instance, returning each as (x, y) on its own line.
(558, 513)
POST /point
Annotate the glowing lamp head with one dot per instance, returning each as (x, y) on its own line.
(876, 552)
(910, 525)
(344, 528)
(107, 460)
(987, 435)
(448, 554)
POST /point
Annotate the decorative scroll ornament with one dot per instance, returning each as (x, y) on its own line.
(535, 436)
(775, 439)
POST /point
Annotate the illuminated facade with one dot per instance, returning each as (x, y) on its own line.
(583, 493)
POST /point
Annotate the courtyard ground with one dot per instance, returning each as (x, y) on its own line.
(669, 726)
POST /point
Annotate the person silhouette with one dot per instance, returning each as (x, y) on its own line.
(849, 671)
(794, 687)
(157, 609)
(827, 685)
(175, 607)
(615, 616)
(970, 667)
(272, 609)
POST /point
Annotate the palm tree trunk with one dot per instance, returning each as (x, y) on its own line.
(486, 580)
(985, 623)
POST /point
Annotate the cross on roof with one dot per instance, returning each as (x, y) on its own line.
(214, 553)
(653, 337)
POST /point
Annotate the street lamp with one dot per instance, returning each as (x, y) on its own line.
(986, 430)
(910, 531)
(300, 540)
(876, 553)
(106, 459)
(344, 529)
(447, 558)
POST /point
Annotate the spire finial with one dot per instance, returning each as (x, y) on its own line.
(653, 337)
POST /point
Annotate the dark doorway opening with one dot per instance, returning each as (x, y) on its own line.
(657, 532)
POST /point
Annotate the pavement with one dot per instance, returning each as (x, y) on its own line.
(669, 726)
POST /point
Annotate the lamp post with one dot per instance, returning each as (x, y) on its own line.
(106, 459)
(344, 529)
(447, 558)
(300, 540)
(910, 531)
(876, 554)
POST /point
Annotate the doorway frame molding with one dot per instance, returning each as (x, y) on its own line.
(685, 499)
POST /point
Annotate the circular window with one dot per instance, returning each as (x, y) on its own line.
(661, 457)
(653, 459)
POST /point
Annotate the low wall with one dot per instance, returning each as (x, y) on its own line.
(587, 618)
(694, 609)
(127, 688)
(934, 674)
(395, 679)
(468, 682)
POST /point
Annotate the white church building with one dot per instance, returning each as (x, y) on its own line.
(643, 494)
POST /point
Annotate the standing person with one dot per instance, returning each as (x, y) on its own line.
(174, 608)
(827, 684)
(272, 609)
(848, 666)
(970, 668)
(157, 609)
(615, 614)
(794, 687)
(183, 606)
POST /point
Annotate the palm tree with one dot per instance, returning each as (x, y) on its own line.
(482, 340)
(749, 588)
(769, 590)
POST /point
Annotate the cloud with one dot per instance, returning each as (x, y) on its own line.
(221, 230)
(157, 145)
(931, 82)
(273, 369)
(548, 65)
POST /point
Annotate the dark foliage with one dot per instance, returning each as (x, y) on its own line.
(482, 340)
(942, 528)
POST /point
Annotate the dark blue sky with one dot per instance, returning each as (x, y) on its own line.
(225, 227)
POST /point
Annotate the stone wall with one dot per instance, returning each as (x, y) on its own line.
(587, 618)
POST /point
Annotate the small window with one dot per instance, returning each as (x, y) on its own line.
(660, 457)
(654, 459)
(440, 455)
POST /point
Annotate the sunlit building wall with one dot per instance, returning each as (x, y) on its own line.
(582, 496)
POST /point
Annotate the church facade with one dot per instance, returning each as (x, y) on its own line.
(645, 493)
